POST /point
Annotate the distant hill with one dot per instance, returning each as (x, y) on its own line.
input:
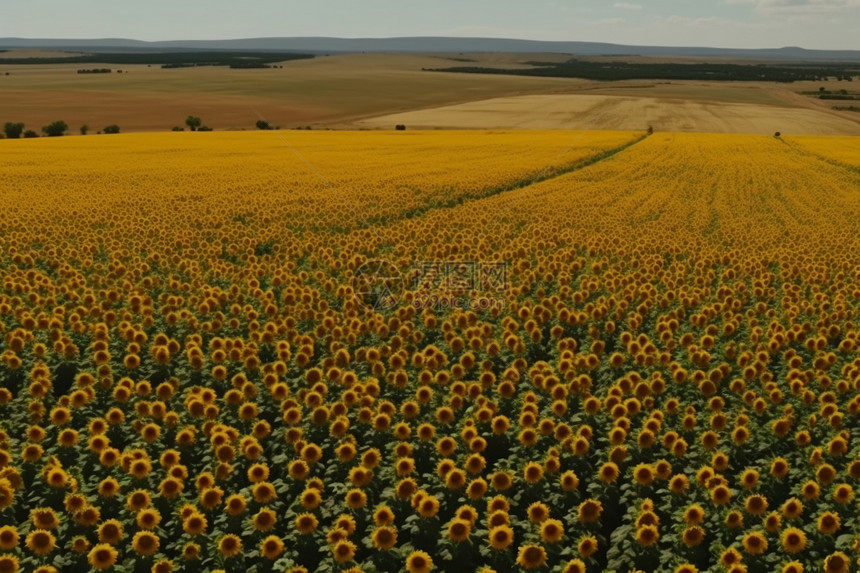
(323, 45)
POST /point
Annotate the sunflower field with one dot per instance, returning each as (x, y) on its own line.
(666, 377)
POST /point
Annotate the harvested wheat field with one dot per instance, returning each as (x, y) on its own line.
(388, 351)
(584, 111)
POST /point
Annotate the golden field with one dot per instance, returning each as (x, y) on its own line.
(667, 378)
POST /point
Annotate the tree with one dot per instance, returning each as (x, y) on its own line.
(193, 122)
(111, 129)
(263, 124)
(13, 130)
(84, 129)
(55, 129)
(30, 134)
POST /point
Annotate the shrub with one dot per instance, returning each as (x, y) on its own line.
(55, 129)
(13, 130)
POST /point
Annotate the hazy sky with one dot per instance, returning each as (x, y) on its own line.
(823, 24)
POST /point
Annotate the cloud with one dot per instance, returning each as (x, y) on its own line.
(627, 6)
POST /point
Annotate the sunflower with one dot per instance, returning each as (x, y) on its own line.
(90, 515)
(110, 531)
(686, 568)
(793, 540)
(792, 567)
(109, 487)
(589, 511)
(405, 488)
(647, 517)
(608, 472)
(502, 481)
(772, 522)
(678, 484)
(191, 551)
(498, 518)
(551, 531)
(537, 512)
(779, 468)
(428, 507)
(749, 478)
(755, 504)
(501, 537)
(9, 538)
(459, 530)
(343, 550)
(419, 562)
(235, 504)
(532, 473)
(730, 556)
(643, 474)
(694, 514)
(468, 513)
(792, 508)
(531, 556)
(102, 556)
(271, 547)
(9, 564)
(148, 518)
(263, 492)
(44, 518)
(306, 523)
(355, 498)
(810, 490)
(587, 546)
(455, 479)
(384, 537)
(383, 515)
(264, 520)
(693, 536)
(569, 481)
(734, 519)
(40, 541)
(360, 476)
(258, 473)
(837, 563)
(721, 495)
(145, 543)
(755, 543)
(210, 498)
(57, 477)
(230, 545)
(843, 494)
(647, 535)
(574, 566)
(829, 523)
(195, 523)
(137, 500)
(476, 489)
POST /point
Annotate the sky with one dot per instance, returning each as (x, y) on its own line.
(813, 24)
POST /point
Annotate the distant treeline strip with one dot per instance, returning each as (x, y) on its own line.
(593, 70)
(171, 59)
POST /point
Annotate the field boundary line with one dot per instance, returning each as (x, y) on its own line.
(550, 172)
